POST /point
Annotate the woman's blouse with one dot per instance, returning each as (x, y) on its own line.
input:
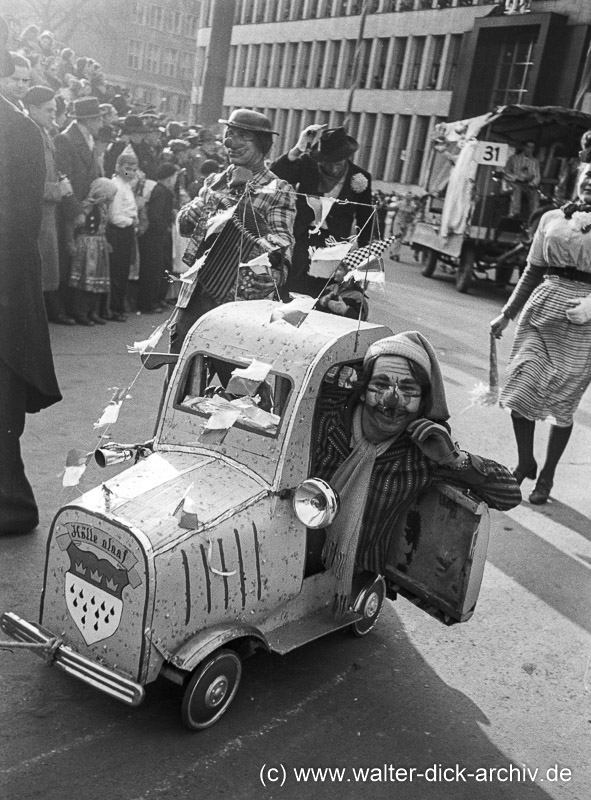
(560, 242)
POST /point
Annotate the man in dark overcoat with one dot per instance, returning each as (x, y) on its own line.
(76, 157)
(320, 164)
(27, 377)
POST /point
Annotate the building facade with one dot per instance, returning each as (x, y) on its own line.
(392, 69)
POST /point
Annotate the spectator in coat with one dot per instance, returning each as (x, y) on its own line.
(40, 101)
(14, 87)
(133, 133)
(77, 158)
(320, 164)
(155, 245)
(27, 377)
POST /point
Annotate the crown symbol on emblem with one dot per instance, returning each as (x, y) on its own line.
(112, 585)
(80, 568)
(96, 576)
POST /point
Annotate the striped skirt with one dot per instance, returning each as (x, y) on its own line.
(550, 363)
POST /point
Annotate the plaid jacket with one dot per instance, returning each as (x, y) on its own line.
(399, 475)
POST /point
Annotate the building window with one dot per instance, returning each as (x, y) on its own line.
(265, 65)
(437, 44)
(278, 56)
(333, 66)
(379, 64)
(186, 60)
(252, 65)
(155, 17)
(134, 54)
(419, 140)
(303, 61)
(319, 64)
(192, 25)
(297, 9)
(453, 57)
(353, 125)
(231, 66)
(384, 145)
(416, 62)
(363, 63)
(350, 45)
(183, 106)
(398, 57)
(152, 57)
(172, 21)
(367, 147)
(513, 71)
(241, 65)
(169, 62)
(259, 12)
(291, 63)
(138, 13)
(401, 143)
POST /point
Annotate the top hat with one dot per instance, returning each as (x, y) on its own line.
(132, 124)
(248, 120)
(334, 145)
(85, 108)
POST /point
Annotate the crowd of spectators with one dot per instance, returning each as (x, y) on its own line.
(102, 259)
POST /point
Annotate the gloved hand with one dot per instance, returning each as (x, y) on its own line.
(580, 310)
(434, 441)
(191, 213)
(498, 325)
(309, 136)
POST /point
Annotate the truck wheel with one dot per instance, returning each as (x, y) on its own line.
(370, 605)
(211, 689)
(428, 261)
(464, 268)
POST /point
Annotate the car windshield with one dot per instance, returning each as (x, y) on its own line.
(229, 394)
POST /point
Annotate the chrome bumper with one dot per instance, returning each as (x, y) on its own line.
(68, 660)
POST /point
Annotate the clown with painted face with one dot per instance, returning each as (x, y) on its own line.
(384, 442)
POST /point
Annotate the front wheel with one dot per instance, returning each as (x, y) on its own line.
(369, 604)
(211, 689)
(428, 261)
(465, 267)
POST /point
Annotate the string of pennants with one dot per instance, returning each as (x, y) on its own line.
(364, 264)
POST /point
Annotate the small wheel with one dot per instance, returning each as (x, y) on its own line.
(464, 269)
(211, 689)
(429, 262)
(372, 600)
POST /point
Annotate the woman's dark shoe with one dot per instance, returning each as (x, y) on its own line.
(541, 492)
(88, 323)
(62, 319)
(96, 319)
(118, 317)
(521, 474)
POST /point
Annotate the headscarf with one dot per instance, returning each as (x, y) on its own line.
(101, 189)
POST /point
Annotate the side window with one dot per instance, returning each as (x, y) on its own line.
(211, 389)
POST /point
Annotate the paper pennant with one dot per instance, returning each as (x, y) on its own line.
(321, 207)
(325, 260)
(149, 343)
(111, 413)
(356, 258)
(76, 463)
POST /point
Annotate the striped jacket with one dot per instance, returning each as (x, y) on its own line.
(399, 475)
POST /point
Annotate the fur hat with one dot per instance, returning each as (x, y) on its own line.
(413, 346)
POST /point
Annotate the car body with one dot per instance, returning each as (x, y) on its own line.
(200, 553)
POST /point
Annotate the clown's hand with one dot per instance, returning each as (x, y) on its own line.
(434, 441)
(580, 310)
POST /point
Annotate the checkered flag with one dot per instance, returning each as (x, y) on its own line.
(356, 259)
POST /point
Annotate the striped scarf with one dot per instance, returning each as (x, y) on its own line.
(351, 481)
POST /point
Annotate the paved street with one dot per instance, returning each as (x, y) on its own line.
(509, 689)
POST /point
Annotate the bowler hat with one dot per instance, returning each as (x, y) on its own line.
(248, 120)
(132, 124)
(334, 145)
(85, 108)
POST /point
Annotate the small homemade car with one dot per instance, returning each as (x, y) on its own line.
(208, 548)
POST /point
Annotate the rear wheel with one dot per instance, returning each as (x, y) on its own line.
(428, 261)
(465, 267)
(211, 689)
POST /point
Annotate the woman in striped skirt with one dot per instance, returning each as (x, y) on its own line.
(550, 363)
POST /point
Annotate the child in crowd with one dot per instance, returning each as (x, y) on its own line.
(155, 245)
(343, 296)
(121, 229)
(89, 275)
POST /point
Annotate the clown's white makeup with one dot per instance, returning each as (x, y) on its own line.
(385, 415)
